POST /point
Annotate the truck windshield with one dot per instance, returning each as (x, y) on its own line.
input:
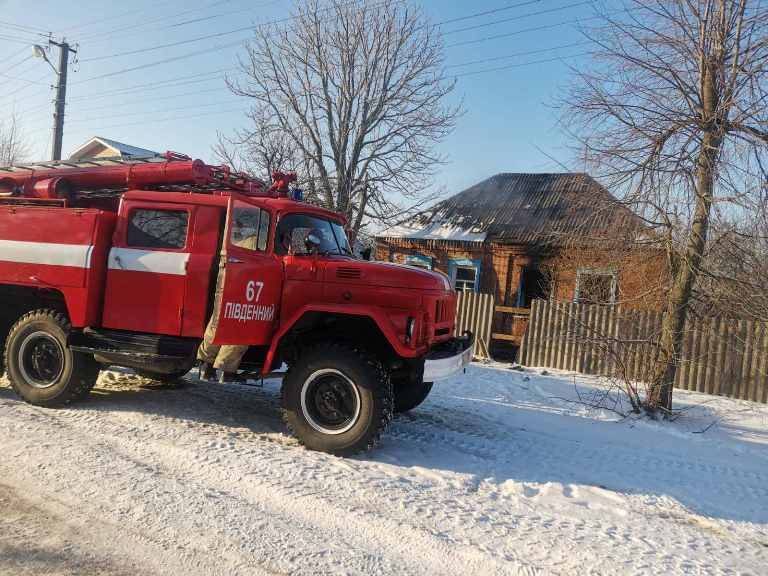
(293, 229)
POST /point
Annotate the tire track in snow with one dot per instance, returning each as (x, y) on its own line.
(457, 510)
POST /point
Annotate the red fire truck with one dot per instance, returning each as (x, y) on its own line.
(113, 262)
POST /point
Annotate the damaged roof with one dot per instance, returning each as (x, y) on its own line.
(520, 209)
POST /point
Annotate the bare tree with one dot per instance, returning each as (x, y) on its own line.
(673, 117)
(13, 147)
(260, 150)
(359, 90)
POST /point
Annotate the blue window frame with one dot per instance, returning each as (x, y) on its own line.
(464, 274)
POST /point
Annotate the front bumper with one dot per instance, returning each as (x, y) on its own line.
(449, 358)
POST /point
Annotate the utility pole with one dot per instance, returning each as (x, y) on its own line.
(61, 98)
(61, 91)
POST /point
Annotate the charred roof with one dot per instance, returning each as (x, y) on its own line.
(521, 209)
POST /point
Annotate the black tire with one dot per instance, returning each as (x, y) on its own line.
(409, 395)
(347, 400)
(40, 366)
(172, 380)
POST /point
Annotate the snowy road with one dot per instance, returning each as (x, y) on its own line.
(495, 474)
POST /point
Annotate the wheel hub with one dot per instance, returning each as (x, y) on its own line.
(41, 360)
(330, 402)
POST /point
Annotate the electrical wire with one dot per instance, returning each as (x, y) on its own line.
(17, 64)
(146, 22)
(26, 86)
(520, 65)
(114, 16)
(249, 28)
(517, 54)
(487, 12)
(524, 31)
(127, 31)
(18, 53)
(157, 120)
(150, 113)
(519, 17)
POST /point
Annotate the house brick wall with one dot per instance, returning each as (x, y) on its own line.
(641, 273)
(500, 265)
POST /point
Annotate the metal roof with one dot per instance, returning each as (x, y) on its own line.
(121, 150)
(522, 209)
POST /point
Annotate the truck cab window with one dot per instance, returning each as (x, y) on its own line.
(292, 233)
(250, 227)
(158, 229)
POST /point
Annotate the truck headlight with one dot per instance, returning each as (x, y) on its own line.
(410, 325)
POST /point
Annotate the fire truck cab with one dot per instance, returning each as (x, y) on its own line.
(116, 263)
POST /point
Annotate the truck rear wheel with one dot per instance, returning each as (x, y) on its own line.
(40, 366)
(409, 395)
(337, 399)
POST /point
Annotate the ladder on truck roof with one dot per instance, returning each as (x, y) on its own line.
(86, 163)
(63, 181)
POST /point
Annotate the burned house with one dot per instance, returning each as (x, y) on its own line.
(526, 236)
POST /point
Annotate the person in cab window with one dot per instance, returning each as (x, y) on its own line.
(227, 359)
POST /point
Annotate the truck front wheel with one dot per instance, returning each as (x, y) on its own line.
(337, 399)
(40, 366)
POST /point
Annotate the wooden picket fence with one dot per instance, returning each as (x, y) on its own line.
(475, 313)
(719, 355)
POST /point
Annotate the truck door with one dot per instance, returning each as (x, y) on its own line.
(252, 277)
(147, 268)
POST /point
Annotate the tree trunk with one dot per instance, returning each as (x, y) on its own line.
(687, 270)
(676, 312)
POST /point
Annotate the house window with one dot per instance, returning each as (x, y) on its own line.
(464, 274)
(596, 287)
(465, 279)
(158, 229)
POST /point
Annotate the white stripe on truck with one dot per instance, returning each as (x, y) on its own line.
(46, 253)
(148, 261)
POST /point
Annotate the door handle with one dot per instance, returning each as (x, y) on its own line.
(233, 260)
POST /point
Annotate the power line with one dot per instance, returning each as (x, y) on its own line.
(3, 75)
(249, 28)
(19, 40)
(156, 120)
(232, 44)
(169, 45)
(160, 84)
(18, 53)
(487, 12)
(523, 31)
(125, 106)
(130, 30)
(515, 55)
(111, 33)
(140, 114)
(32, 29)
(520, 17)
(19, 63)
(112, 105)
(113, 17)
(26, 86)
(520, 65)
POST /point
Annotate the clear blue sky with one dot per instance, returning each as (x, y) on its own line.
(508, 112)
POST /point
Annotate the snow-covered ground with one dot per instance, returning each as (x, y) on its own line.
(497, 473)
